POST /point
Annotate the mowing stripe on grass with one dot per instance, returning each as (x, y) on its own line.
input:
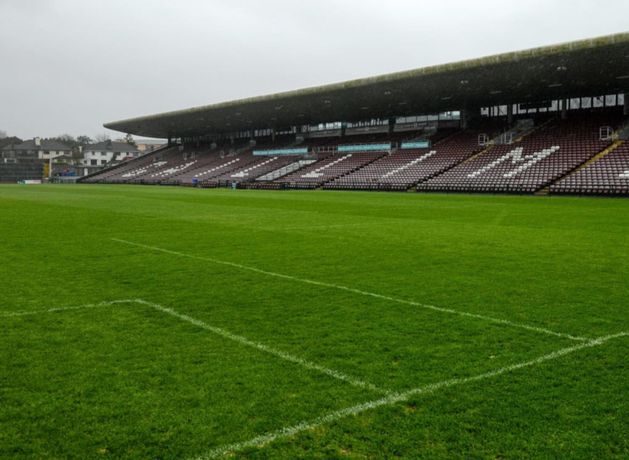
(394, 398)
(324, 227)
(357, 291)
(221, 332)
(265, 348)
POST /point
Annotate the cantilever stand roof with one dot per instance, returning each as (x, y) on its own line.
(583, 68)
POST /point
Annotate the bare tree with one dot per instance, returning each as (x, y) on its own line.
(84, 140)
(66, 139)
(103, 137)
(129, 140)
(3, 134)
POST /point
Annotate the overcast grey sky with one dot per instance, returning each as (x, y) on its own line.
(67, 66)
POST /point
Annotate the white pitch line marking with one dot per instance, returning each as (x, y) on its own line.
(221, 332)
(394, 398)
(265, 348)
(58, 309)
(358, 291)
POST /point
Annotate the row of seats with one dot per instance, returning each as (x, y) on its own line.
(608, 175)
(544, 156)
(234, 163)
(330, 168)
(404, 168)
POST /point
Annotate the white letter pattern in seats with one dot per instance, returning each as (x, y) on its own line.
(517, 158)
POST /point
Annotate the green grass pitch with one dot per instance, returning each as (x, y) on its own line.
(255, 324)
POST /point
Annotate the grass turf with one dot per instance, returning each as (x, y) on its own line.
(130, 381)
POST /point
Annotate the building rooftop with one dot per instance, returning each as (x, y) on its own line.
(45, 144)
(110, 146)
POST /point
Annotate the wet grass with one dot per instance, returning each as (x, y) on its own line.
(130, 381)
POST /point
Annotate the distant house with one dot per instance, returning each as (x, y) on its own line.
(105, 152)
(36, 149)
(149, 145)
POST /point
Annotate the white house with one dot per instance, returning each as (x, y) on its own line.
(42, 149)
(105, 152)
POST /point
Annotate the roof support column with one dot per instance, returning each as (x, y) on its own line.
(510, 114)
(564, 108)
(464, 116)
(626, 111)
(469, 117)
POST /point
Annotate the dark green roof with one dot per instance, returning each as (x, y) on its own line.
(582, 68)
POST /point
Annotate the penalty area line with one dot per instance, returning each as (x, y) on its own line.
(394, 398)
(265, 348)
(220, 332)
(340, 287)
(60, 309)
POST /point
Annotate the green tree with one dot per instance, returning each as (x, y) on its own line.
(66, 139)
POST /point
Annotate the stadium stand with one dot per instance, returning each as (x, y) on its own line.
(129, 170)
(251, 167)
(405, 168)
(547, 154)
(608, 175)
(454, 163)
(533, 121)
(329, 168)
